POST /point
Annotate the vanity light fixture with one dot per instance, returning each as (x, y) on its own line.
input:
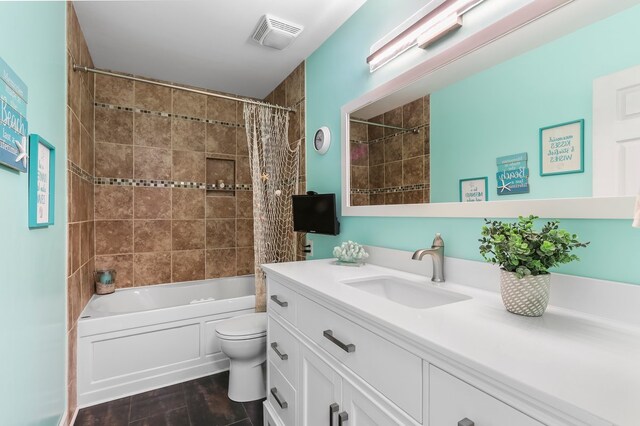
(421, 31)
(439, 30)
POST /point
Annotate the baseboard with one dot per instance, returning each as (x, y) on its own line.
(65, 415)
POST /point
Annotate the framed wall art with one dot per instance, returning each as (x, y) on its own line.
(562, 148)
(42, 160)
(474, 189)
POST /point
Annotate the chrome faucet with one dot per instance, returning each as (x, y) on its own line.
(437, 256)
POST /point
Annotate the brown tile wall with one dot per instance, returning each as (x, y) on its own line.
(80, 170)
(151, 232)
(384, 158)
(291, 92)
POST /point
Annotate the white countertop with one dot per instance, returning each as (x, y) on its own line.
(561, 358)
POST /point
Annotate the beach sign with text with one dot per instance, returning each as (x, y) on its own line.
(513, 174)
(14, 128)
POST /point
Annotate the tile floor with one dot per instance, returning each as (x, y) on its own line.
(199, 402)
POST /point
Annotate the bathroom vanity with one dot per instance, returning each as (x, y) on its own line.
(372, 345)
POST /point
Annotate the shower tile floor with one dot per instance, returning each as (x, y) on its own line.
(198, 402)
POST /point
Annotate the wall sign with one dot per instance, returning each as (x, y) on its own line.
(41, 182)
(474, 190)
(13, 122)
(561, 148)
(513, 174)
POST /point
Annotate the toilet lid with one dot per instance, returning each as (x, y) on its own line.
(244, 325)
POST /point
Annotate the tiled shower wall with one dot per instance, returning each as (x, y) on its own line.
(390, 166)
(291, 92)
(156, 151)
(159, 154)
(80, 170)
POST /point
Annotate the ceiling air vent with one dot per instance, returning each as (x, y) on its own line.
(275, 32)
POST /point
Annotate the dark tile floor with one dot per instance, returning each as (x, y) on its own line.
(199, 402)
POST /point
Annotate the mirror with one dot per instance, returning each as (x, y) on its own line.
(512, 121)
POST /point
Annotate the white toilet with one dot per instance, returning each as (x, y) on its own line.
(243, 339)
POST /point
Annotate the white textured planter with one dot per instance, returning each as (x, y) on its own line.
(528, 296)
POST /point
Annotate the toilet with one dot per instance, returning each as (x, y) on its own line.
(243, 339)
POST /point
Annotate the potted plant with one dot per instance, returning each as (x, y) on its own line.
(525, 256)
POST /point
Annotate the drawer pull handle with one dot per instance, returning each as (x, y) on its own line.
(466, 422)
(279, 302)
(349, 347)
(342, 418)
(282, 356)
(281, 402)
(333, 408)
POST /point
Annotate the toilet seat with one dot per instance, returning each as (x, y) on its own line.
(244, 327)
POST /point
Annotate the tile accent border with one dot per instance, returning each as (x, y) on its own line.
(391, 189)
(80, 172)
(167, 114)
(167, 184)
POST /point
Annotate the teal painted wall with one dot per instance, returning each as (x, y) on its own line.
(32, 266)
(337, 74)
(504, 107)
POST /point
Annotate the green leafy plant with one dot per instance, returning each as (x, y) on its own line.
(519, 248)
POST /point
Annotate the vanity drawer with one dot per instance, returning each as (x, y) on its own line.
(281, 397)
(451, 401)
(393, 371)
(281, 300)
(282, 350)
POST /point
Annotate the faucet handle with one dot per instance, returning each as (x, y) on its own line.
(437, 241)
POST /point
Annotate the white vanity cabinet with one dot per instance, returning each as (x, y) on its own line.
(307, 383)
(327, 399)
(326, 370)
(454, 402)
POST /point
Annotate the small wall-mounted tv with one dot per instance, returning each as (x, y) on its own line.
(315, 213)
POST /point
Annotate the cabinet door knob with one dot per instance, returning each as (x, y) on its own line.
(342, 418)
(281, 402)
(466, 422)
(282, 356)
(333, 408)
(279, 302)
(347, 347)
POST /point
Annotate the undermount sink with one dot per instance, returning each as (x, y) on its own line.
(405, 292)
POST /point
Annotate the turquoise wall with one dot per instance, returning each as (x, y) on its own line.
(503, 108)
(337, 73)
(32, 269)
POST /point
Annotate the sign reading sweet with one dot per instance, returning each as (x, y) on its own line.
(13, 122)
(513, 174)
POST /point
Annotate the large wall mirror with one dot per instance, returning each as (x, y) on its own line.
(542, 120)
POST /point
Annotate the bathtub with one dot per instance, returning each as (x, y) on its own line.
(143, 338)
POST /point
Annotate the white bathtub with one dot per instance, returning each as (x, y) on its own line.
(148, 337)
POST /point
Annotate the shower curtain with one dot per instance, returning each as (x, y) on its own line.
(274, 174)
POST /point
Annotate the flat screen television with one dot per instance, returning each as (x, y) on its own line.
(315, 213)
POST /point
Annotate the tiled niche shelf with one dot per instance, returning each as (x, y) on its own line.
(221, 169)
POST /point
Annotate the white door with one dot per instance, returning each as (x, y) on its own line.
(361, 411)
(616, 134)
(320, 393)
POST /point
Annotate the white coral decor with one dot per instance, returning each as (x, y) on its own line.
(350, 252)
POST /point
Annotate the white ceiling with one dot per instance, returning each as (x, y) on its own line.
(206, 43)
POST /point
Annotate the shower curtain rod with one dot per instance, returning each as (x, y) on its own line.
(386, 126)
(173, 86)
